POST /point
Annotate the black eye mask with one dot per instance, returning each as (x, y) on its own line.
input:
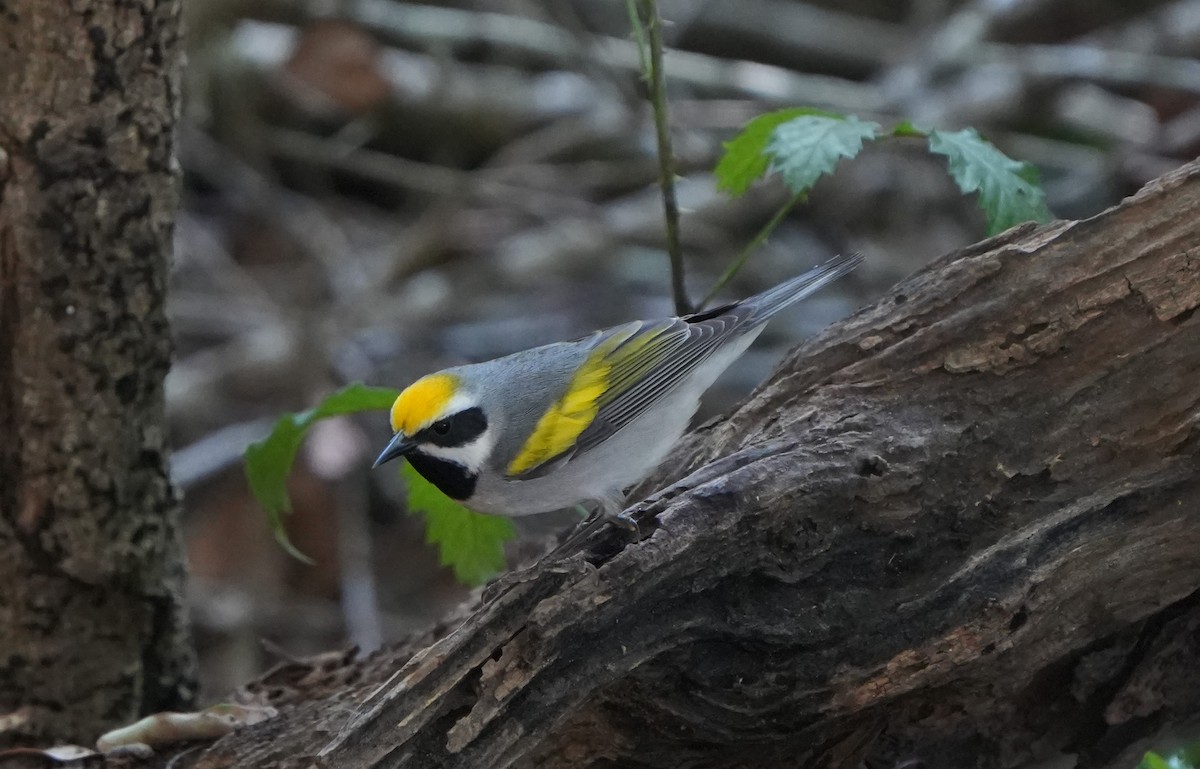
(455, 430)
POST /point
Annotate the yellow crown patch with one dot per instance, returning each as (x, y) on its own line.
(422, 402)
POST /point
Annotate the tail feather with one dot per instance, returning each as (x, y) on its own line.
(762, 306)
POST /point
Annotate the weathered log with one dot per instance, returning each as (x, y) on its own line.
(959, 528)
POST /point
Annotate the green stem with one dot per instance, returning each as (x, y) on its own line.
(750, 248)
(656, 82)
(639, 37)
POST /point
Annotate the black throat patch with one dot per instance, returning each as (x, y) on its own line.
(451, 478)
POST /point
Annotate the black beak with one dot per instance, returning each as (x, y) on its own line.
(398, 446)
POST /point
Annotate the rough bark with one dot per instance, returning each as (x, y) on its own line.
(92, 625)
(959, 528)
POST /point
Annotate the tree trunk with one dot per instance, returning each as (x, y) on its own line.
(92, 623)
(959, 529)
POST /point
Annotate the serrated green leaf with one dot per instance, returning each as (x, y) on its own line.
(470, 543)
(1009, 192)
(745, 159)
(1153, 761)
(807, 147)
(269, 461)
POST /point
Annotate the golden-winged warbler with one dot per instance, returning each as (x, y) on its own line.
(577, 422)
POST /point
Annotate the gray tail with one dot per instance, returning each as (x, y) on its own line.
(758, 308)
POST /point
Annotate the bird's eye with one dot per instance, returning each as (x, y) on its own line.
(441, 427)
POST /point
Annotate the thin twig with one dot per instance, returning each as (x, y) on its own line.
(750, 248)
(639, 36)
(656, 82)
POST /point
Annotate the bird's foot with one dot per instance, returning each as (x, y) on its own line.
(624, 521)
(613, 514)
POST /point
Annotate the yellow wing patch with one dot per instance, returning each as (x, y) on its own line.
(571, 414)
(422, 402)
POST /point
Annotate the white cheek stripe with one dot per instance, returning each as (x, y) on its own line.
(471, 456)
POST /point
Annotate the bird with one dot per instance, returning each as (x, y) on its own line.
(578, 422)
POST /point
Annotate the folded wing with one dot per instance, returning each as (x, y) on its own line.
(632, 366)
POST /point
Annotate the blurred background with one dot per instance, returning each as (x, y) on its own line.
(377, 189)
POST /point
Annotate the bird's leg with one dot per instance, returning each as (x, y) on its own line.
(609, 510)
(580, 533)
(613, 509)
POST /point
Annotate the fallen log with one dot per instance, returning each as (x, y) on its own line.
(960, 528)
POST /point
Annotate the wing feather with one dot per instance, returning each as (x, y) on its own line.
(567, 417)
(634, 365)
(626, 374)
(691, 344)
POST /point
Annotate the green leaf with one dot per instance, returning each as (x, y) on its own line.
(470, 543)
(1009, 191)
(746, 159)
(269, 461)
(1153, 761)
(807, 147)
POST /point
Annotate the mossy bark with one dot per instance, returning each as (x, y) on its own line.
(92, 622)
